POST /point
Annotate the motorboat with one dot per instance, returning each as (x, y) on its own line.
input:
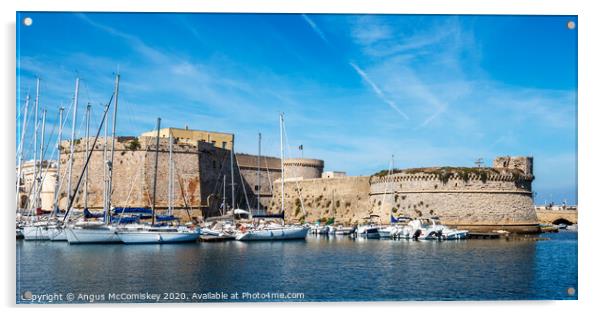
(369, 231)
(342, 230)
(431, 229)
(388, 231)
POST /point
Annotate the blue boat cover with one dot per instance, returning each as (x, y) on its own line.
(88, 214)
(393, 219)
(125, 220)
(137, 210)
(166, 218)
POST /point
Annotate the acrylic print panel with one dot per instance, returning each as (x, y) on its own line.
(167, 158)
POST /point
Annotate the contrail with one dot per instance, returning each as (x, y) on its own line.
(377, 90)
(316, 29)
(357, 69)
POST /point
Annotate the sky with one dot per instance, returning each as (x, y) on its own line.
(432, 90)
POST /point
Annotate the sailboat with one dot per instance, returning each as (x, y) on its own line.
(157, 234)
(35, 229)
(56, 230)
(275, 231)
(84, 232)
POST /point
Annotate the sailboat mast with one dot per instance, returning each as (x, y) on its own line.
(224, 198)
(72, 142)
(21, 147)
(35, 147)
(58, 162)
(87, 161)
(87, 151)
(156, 168)
(232, 172)
(281, 164)
(105, 159)
(42, 143)
(170, 180)
(110, 162)
(258, 170)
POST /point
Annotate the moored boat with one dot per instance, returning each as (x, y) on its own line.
(144, 234)
(274, 233)
(92, 233)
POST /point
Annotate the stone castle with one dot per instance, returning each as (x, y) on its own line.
(478, 199)
(498, 197)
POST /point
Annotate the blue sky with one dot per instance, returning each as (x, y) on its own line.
(355, 89)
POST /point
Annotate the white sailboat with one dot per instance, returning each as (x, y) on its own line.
(35, 230)
(96, 231)
(151, 234)
(56, 231)
(275, 231)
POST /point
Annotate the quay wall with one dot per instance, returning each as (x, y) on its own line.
(345, 199)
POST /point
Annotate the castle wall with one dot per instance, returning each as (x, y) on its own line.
(198, 182)
(269, 170)
(345, 199)
(499, 201)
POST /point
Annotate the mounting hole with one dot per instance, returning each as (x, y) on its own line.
(27, 21)
(570, 25)
(570, 291)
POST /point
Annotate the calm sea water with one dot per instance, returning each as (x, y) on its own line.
(318, 269)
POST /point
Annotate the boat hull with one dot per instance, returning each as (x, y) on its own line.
(96, 235)
(145, 237)
(35, 233)
(57, 234)
(287, 233)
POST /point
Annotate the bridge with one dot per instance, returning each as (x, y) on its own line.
(557, 214)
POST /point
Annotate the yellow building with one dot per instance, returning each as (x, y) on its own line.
(220, 140)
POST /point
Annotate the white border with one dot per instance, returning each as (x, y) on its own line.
(589, 27)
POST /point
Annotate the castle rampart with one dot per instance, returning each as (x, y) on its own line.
(303, 168)
(479, 199)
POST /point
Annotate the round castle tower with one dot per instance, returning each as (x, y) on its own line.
(478, 199)
(303, 168)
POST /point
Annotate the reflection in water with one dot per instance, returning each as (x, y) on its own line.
(330, 269)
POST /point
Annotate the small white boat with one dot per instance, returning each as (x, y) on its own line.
(323, 230)
(274, 233)
(452, 234)
(369, 231)
(341, 230)
(388, 231)
(431, 229)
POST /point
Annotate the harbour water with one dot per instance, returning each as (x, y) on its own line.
(318, 269)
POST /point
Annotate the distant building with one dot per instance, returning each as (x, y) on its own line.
(48, 177)
(192, 136)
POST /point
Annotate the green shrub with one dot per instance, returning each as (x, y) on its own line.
(133, 145)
